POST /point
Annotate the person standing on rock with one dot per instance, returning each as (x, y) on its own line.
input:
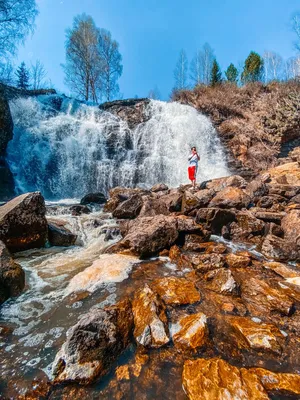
(193, 166)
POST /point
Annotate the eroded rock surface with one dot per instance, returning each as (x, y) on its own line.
(192, 333)
(175, 290)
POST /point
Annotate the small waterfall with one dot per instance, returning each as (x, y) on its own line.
(66, 149)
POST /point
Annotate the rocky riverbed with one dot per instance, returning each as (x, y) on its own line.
(164, 293)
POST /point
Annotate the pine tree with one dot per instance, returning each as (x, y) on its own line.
(232, 73)
(216, 74)
(253, 69)
(23, 77)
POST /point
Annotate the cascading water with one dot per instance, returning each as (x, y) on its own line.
(68, 150)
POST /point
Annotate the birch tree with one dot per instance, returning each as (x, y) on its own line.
(38, 75)
(196, 69)
(296, 28)
(208, 59)
(180, 72)
(273, 66)
(292, 68)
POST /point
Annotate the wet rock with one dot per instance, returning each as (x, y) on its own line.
(119, 194)
(256, 335)
(79, 210)
(238, 261)
(173, 200)
(189, 202)
(93, 344)
(159, 187)
(59, 235)
(291, 228)
(192, 332)
(281, 269)
(150, 319)
(268, 216)
(129, 209)
(176, 291)
(194, 242)
(188, 225)
(207, 262)
(247, 227)
(152, 206)
(261, 299)
(149, 235)
(277, 249)
(278, 384)
(214, 218)
(216, 379)
(96, 198)
(7, 185)
(23, 224)
(221, 281)
(6, 125)
(230, 197)
(208, 247)
(12, 276)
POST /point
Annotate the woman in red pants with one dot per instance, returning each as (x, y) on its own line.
(193, 166)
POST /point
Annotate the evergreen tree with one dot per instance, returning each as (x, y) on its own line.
(253, 69)
(216, 74)
(232, 73)
(23, 77)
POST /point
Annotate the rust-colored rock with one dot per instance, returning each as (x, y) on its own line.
(194, 242)
(291, 228)
(221, 281)
(278, 383)
(278, 249)
(281, 269)
(216, 379)
(93, 344)
(152, 206)
(23, 224)
(192, 333)
(230, 197)
(129, 208)
(256, 335)
(237, 261)
(206, 262)
(176, 291)
(288, 174)
(150, 319)
(247, 227)
(261, 299)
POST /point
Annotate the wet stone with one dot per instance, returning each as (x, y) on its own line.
(279, 383)
(207, 262)
(176, 291)
(221, 281)
(238, 261)
(256, 335)
(192, 333)
(150, 319)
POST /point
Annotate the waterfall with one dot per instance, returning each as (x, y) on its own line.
(66, 149)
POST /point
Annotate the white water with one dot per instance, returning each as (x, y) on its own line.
(80, 149)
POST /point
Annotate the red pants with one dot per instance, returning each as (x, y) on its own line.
(192, 173)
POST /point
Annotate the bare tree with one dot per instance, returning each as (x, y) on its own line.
(208, 59)
(180, 72)
(7, 75)
(16, 22)
(82, 57)
(111, 64)
(292, 68)
(296, 28)
(38, 75)
(154, 94)
(273, 66)
(196, 68)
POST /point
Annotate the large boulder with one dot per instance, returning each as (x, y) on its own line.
(129, 208)
(119, 194)
(59, 235)
(231, 197)
(173, 200)
(23, 224)
(152, 206)
(247, 227)
(216, 379)
(256, 189)
(93, 344)
(221, 281)
(12, 276)
(215, 218)
(278, 249)
(96, 198)
(150, 320)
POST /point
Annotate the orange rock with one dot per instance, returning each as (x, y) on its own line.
(237, 261)
(291, 226)
(193, 332)
(215, 379)
(149, 319)
(228, 307)
(286, 174)
(207, 262)
(278, 383)
(281, 269)
(256, 335)
(176, 290)
(230, 197)
(122, 373)
(221, 281)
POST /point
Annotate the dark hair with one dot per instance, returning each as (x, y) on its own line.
(194, 148)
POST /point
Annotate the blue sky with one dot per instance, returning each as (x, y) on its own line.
(151, 34)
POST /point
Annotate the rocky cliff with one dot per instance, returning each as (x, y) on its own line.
(258, 124)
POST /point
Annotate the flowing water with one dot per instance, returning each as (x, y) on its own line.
(66, 149)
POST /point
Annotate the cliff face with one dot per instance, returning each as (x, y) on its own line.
(257, 124)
